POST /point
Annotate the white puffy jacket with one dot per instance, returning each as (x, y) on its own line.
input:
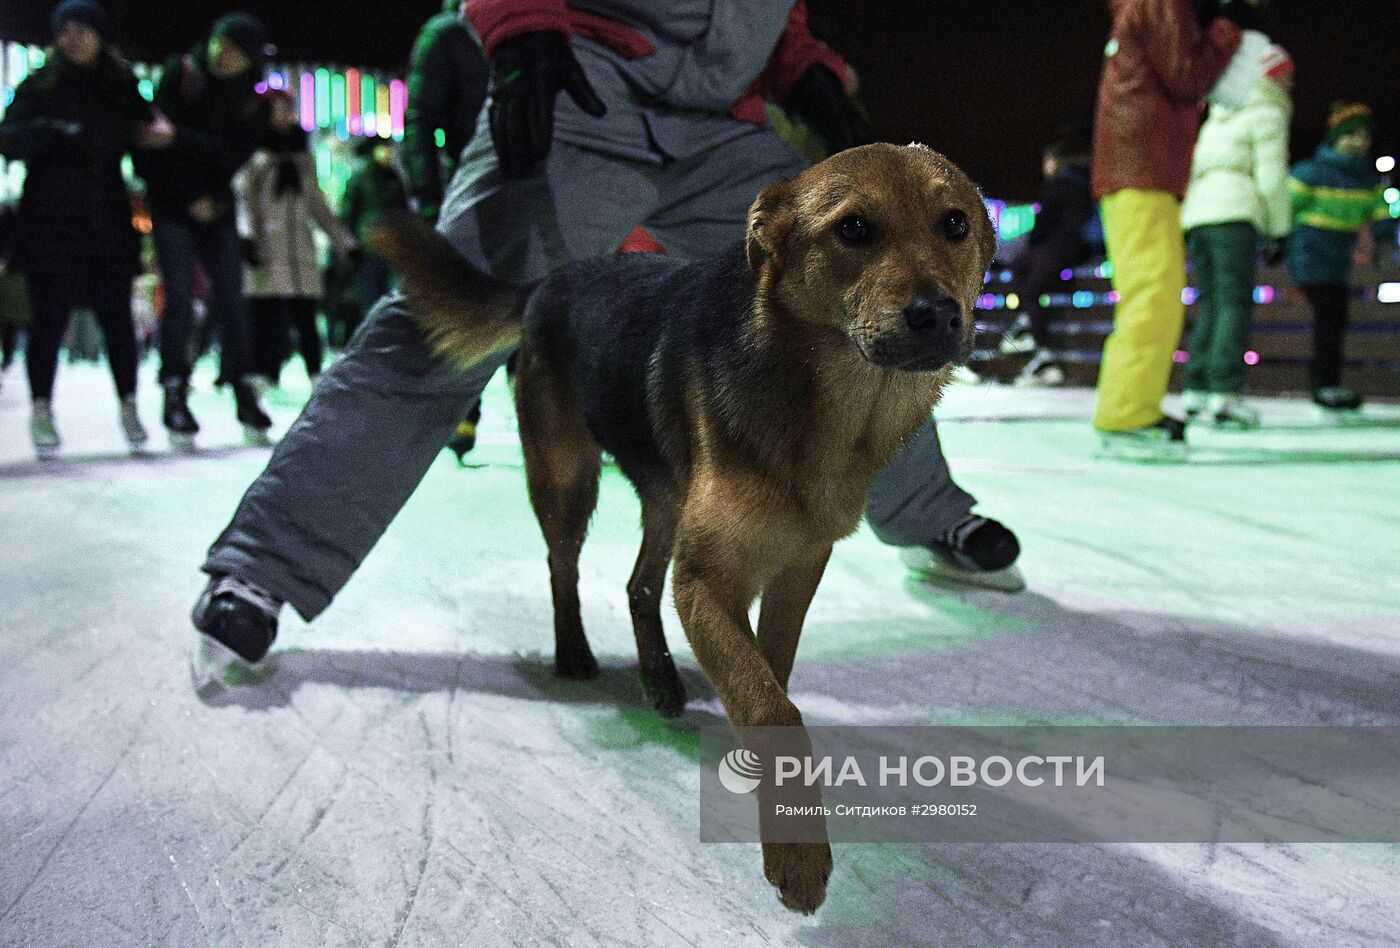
(1239, 171)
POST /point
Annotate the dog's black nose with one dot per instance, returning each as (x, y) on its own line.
(938, 313)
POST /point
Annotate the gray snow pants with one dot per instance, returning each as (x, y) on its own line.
(384, 410)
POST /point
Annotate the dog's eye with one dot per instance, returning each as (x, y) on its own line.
(955, 225)
(854, 230)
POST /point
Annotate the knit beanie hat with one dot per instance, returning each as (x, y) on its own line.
(1346, 117)
(86, 12)
(244, 31)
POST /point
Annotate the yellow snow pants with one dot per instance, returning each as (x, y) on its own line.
(1143, 231)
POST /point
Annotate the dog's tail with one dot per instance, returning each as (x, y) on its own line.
(465, 314)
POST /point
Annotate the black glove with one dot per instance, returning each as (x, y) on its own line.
(819, 101)
(527, 73)
(250, 252)
(1275, 249)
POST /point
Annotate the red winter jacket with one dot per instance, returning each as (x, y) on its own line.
(497, 20)
(1158, 66)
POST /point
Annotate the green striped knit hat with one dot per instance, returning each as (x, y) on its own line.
(1346, 117)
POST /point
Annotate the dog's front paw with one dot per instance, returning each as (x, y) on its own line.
(664, 692)
(800, 871)
(577, 664)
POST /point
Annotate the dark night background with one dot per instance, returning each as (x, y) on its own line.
(987, 82)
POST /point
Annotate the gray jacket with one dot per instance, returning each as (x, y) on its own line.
(673, 101)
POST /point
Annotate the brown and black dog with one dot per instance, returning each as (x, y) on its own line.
(750, 398)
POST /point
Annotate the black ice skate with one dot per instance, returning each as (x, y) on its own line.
(238, 623)
(179, 423)
(976, 551)
(464, 438)
(1337, 403)
(250, 414)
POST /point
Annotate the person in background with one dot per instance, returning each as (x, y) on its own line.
(447, 82)
(219, 122)
(14, 298)
(280, 205)
(72, 122)
(1161, 59)
(549, 179)
(1335, 193)
(374, 190)
(1056, 242)
(1238, 194)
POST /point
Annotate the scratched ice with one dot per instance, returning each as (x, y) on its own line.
(414, 774)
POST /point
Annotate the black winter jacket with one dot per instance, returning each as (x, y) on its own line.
(219, 123)
(447, 82)
(71, 126)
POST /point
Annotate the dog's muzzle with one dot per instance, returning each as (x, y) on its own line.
(931, 333)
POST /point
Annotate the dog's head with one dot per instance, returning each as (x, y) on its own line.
(884, 243)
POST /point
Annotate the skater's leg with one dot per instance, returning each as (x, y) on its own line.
(265, 318)
(705, 200)
(1329, 304)
(384, 409)
(51, 304)
(175, 252)
(1148, 253)
(1235, 257)
(221, 253)
(303, 313)
(1201, 245)
(341, 473)
(111, 304)
(914, 500)
(914, 503)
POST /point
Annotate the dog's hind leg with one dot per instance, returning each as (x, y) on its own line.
(782, 610)
(660, 682)
(561, 468)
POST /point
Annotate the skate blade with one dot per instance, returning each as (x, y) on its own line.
(1172, 453)
(932, 569)
(46, 453)
(1235, 424)
(257, 437)
(181, 442)
(215, 669)
(1340, 417)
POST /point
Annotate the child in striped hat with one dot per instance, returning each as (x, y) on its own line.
(1334, 194)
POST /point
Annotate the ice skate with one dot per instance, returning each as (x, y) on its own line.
(132, 429)
(1043, 371)
(977, 551)
(1337, 404)
(41, 429)
(1017, 339)
(250, 414)
(464, 438)
(1193, 402)
(179, 423)
(238, 623)
(1162, 441)
(1230, 411)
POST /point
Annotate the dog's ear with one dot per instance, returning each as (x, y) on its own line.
(771, 220)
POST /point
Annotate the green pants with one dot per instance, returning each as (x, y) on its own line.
(1224, 257)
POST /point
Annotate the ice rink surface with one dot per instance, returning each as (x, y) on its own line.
(413, 773)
